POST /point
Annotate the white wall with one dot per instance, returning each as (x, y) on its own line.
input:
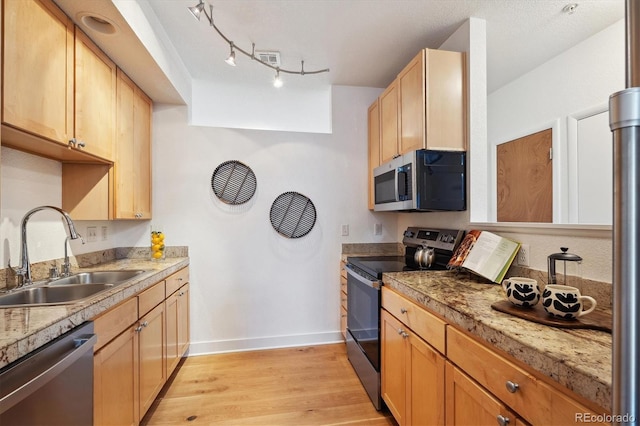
(251, 287)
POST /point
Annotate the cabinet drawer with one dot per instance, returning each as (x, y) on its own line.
(426, 325)
(531, 400)
(150, 298)
(111, 323)
(177, 280)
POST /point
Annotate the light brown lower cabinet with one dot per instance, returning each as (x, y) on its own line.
(433, 373)
(131, 363)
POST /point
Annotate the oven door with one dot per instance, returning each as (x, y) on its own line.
(363, 314)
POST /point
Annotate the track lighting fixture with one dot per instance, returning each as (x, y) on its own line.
(277, 81)
(198, 10)
(231, 60)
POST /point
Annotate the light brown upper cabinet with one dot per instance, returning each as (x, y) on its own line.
(388, 104)
(425, 106)
(57, 86)
(95, 98)
(132, 168)
(374, 146)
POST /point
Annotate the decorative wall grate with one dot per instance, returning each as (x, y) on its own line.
(293, 215)
(233, 182)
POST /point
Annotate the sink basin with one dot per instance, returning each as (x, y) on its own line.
(98, 277)
(52, 295)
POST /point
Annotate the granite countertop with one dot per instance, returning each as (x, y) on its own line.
(26, 329)
(578, 359)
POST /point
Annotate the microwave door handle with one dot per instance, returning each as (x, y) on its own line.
(401, 185)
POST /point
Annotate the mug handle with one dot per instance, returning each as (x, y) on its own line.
(504, 285)
(593, 305)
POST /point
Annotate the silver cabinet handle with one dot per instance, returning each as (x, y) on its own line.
(502, 420)
(403, 333)
(512, 387)
(138, 329)
(403, 311)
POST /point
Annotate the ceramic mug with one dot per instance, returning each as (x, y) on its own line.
(521, 291)
(564, 301)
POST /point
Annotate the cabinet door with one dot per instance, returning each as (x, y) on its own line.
(38, 69)
(374, 147)
(445, 96)
(132, 197)
(115, 375)
(388, 104)
(393, 368)
(177, 314)
(467, 403)
(426, 384)
(411, 89)
(153, 372)
(95, 98)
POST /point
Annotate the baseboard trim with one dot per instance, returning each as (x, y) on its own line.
(274, 342)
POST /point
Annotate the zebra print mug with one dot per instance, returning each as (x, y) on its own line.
(521, 291)
(563, 301)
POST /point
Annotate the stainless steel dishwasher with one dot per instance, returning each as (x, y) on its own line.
(53, 385)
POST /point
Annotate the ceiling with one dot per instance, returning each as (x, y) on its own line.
(363, 42)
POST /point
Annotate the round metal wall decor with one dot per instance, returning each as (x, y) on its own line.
(233, 182)
(293, 215)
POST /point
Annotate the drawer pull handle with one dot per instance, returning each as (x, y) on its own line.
(403, 311)
(502, 420)
(403, 333)
(512, 387)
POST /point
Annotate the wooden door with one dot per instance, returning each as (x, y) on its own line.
(171, 314)
(374, 147)
(95, 98)
(153, 372)
(389, 128)
(467, 403)
(411, 88)
(525, 179)
(38, 69)
(446, 100)
(393, 368)
(115, 375)
(426, 384)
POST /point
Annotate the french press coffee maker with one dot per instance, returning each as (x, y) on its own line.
(564, 268)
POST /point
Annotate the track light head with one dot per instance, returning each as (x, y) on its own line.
(197, 10)
(231, 60)
(277, 81)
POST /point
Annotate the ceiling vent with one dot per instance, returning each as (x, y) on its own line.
(271, 58)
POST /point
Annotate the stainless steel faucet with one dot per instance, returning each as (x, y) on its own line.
(24, 271)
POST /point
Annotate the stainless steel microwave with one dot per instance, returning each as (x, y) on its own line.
(422, 180)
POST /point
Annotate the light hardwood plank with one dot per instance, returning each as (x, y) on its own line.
(295, 386)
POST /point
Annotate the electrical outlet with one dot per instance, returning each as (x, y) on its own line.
(345, 230)
(523, 255)
(105, 233)
(92, 234)
(377, 229)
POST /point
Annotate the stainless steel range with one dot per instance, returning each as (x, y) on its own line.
(425, 249)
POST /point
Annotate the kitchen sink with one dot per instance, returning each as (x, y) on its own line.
(57, 295)
(97, 277)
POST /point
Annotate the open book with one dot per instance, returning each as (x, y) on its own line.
(486, 254)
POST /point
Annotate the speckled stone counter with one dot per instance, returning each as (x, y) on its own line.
(575, 358)
(23, 330)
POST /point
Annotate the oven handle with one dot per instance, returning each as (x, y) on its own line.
(373, 284)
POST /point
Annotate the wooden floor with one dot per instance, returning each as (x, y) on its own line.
(313, 385)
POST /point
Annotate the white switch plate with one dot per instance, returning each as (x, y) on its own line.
(345, 230)
(92, 234)
(105, 233)
(523, 255)
(377, 229)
